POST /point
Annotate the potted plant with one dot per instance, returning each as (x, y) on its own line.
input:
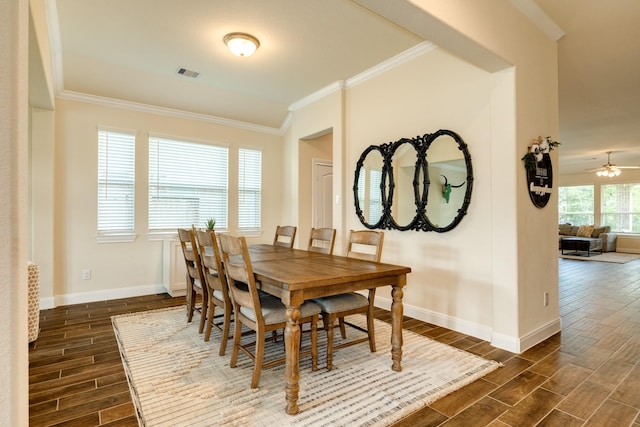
(211, 223)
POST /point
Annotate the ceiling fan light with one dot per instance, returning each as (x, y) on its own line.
(241, 44)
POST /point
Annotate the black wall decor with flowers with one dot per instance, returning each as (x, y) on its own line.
(537, 163)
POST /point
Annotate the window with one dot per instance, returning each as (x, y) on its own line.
(249, 189)
(575, 205)
(187, 184)
(620, 207)
(116, 182)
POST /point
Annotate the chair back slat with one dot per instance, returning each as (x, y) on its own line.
(211, 260)
(322, 240)
(191, 256)
(285, 236)
(365, 245)
(238, 269)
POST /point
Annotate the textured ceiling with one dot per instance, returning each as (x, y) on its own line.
(599, 81)
(131, 51)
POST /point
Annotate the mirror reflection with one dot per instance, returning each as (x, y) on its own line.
(448, 177)
(404, 164)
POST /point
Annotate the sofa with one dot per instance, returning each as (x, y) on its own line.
(589, 232)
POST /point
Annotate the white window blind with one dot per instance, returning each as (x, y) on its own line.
(375, 196)
(370, 194)
(116, 182)
(187, 184)
(249, 189)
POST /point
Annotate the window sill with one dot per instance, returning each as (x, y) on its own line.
(116, 238)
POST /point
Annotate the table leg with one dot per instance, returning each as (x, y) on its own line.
(292, 348)
(396, 323)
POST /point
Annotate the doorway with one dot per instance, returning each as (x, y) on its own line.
(322, 194)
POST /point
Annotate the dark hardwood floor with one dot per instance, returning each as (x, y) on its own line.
(588, 375)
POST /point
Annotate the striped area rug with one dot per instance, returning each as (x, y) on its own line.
(177, 379)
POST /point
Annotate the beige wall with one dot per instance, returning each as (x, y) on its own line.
(14, 215)
(483, 278)
(451, 278)
(499, 28)
(488, 276)
(139, 264)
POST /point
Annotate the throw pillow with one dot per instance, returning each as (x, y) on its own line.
(585, 230)
(564, 229)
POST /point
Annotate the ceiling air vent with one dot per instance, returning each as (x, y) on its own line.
(188, 73)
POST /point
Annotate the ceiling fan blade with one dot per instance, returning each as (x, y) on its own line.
(628, 167)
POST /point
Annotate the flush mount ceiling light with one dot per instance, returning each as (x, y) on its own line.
(241, 44)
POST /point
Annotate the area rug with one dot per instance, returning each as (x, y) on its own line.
(177, 379)
(615, 257)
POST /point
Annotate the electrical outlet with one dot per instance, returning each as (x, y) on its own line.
(546, 299)
(86, 274)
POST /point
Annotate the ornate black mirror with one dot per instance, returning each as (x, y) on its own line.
(369, 188)
(406, 174)
(451, 177)
(422, 183)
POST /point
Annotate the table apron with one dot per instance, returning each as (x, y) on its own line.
(299, 295)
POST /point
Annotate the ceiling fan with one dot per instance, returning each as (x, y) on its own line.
(610, 169)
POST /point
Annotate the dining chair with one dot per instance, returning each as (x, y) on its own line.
(322, 240)
(260, 313)
(365, 245)
(194, 276)
(285, 236)
(216, 282)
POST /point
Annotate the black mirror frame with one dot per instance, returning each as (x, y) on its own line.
(420, 189)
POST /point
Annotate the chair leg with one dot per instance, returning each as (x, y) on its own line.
(191, 300)
(210, 317)
(371, 332)
(343, 329)
(237, 334)
(314, 343)
(203, 311)
(258, 356)
(328, 321)
(225, 331)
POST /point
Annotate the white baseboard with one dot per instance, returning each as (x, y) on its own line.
(103, 295)
(485, 333)
(48, 302)
(439, 319)
(538, 335)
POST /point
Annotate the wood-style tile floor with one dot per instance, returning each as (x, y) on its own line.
(588, 375)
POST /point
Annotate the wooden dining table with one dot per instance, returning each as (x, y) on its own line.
(296, 275)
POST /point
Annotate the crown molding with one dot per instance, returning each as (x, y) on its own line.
(376, 70)
(534, 12)
(316, 96)
(391, 63)
(153, 109)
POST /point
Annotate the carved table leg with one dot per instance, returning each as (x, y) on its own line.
(396, 323)
(292, 348)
